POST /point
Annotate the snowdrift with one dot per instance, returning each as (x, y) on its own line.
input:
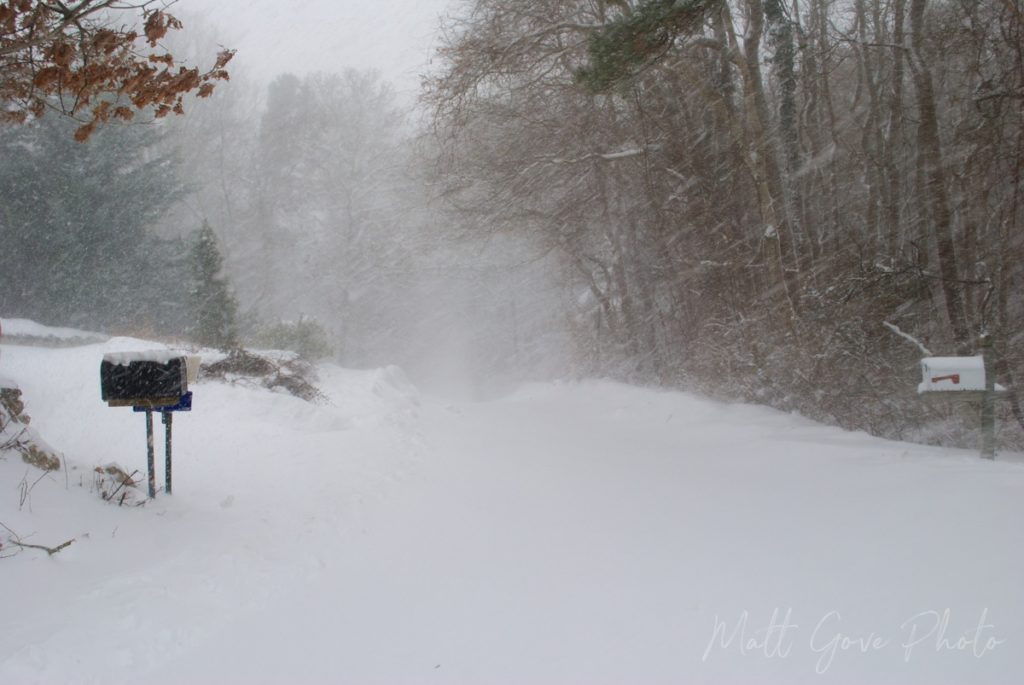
(567, 533)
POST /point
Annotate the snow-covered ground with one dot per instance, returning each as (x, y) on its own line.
(567, 533)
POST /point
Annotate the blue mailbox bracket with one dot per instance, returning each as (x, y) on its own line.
(184, 404)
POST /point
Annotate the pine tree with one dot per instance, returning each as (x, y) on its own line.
(77, 228)
(215, 307)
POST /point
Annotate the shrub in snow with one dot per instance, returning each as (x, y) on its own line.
(291, 375)
(17, 436)
(114, 484)
(10, 401)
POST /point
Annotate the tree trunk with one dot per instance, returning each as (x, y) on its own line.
(930, 166)
(768, 174)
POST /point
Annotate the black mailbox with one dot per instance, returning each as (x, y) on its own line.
(143, 379)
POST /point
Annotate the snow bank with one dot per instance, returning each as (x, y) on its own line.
(572, 533)
(262, 479)
(15, 330)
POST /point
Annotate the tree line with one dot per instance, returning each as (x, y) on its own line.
(750, 196)
(759, 200)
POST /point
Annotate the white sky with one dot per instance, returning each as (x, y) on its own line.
(299, 36)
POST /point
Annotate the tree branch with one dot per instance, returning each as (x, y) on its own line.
(906, 336)
(49, 550)
(15, 539)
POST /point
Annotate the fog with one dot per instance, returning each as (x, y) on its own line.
(356, 239)
(394, 37)
(322, 190)
(487, 192)
(315, 172)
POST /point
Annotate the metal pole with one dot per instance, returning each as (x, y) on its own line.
(167, 452)
(988, 401)
(149, 453)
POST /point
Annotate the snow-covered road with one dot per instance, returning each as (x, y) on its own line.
(576, 533)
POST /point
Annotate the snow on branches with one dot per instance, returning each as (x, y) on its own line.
(73, 58)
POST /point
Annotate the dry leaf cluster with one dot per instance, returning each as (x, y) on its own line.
(75, 58)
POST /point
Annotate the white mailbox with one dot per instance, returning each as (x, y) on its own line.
(952, 374)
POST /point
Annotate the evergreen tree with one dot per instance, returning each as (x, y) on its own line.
(76, 228)
(214, 306)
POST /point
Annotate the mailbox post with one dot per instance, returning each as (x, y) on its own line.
(988, 402)
(185, 404)
(148, 382)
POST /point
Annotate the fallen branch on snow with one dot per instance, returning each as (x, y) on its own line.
(15, 539)
(49, 550)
